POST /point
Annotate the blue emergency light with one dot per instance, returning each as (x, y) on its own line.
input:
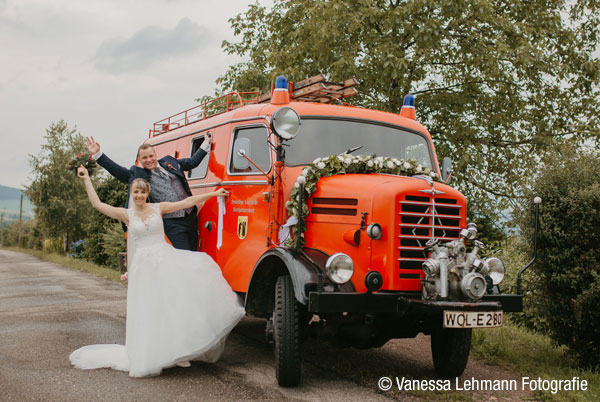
(408, 107)
(281, 82)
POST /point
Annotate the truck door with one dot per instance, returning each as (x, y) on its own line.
(246, 221)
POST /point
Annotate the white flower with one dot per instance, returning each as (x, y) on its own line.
(355, 161)
(297, 185)
(301, 179)
(370, 163)
(347, 161)
(316, 161)
(380, 159)
(390, 164)
(396, 162)
(340, 158)
(321, 165)
(305, 172)
(433, 174)
(407, 165)
(419, 168)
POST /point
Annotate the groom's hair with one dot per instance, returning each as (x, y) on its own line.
(144, 146)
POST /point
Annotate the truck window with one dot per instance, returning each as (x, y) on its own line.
(200, 171)
(258, 152)
(331, 136)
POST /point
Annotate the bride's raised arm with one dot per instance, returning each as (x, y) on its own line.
(166, 207)
(108, 210)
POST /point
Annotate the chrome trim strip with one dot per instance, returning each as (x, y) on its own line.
(231, 183)
(208, 128)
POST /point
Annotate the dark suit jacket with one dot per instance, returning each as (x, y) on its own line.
(175, 166)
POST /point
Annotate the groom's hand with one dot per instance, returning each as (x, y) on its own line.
(92, 146)
(206, 143)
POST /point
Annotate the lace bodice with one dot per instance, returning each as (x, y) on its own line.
(146, 232)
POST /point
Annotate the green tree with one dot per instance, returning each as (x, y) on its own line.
(564, 286)
(60, 204)
(498, 83)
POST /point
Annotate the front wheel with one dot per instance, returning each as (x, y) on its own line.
(450, 349)
(286, 333)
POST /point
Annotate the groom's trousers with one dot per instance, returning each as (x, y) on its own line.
(183, 232)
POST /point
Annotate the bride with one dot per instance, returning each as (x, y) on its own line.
(179, 306)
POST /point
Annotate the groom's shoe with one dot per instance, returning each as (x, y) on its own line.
(184, 364)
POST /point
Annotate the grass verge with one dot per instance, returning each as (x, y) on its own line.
(533, 355)
(69, 262)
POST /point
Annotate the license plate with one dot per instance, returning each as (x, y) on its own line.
(472, 319)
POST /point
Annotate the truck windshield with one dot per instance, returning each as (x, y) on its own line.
(324, 137)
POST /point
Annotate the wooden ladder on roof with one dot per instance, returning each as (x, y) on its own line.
(318, 89)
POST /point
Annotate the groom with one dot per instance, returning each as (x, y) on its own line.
(167, 183)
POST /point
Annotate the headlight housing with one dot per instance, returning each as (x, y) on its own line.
(285, 123)
(339, 268)
(495, 269)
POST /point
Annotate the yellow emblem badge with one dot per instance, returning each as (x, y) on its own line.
(242, 227)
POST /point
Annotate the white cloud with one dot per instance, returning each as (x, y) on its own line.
(150, 45)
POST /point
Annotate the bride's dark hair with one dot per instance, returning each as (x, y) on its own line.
(141, 184)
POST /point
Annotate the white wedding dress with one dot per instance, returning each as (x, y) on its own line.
(179, 307)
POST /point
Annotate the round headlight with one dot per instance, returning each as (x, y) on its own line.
(285, 123)
(495, 269)
(339, 268)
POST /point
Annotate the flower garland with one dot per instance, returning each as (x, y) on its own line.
(343, 164)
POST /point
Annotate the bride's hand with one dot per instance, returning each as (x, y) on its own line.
(82, 172)
(221, 192)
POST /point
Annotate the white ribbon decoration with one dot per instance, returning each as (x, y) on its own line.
(222, 211)
(284, 230)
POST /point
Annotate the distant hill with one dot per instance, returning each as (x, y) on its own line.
(10, 199)
(9, 193)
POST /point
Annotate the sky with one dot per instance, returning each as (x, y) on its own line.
(110, 68)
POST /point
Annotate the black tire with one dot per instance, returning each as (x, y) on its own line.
(286, 333)
(450, 349)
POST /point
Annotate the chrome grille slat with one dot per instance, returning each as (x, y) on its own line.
(419, 221)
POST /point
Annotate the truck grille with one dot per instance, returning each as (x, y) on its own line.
(421, 218)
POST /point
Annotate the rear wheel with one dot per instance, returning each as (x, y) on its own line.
(450, 349)
(286, 333)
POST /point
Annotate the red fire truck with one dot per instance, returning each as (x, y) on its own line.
(339, 224)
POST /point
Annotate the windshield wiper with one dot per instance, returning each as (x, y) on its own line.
(352, 150)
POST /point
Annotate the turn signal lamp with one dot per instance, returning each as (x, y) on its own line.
(408, 107)
(281, 94)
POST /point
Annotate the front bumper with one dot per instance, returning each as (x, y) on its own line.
(340, 302)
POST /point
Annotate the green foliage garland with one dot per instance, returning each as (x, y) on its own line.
(344, 164)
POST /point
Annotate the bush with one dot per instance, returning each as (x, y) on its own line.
(78, 249)
(567, 269)
(112, 192)
(53, 245)
(114, 242)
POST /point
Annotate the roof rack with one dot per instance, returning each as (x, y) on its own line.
(313, 89)
(318, 89)
(213, 107)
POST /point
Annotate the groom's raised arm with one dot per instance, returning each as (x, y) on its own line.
(117, 171)
(121, 173)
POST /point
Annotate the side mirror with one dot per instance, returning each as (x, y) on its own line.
(241, 147)
(447, 169)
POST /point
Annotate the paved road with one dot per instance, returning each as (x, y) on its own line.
(47, 311)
